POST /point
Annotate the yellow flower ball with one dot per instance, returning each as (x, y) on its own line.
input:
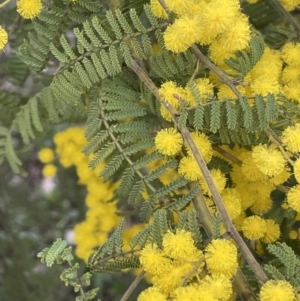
(249, 169)
(180, 7)
(152, 294)
(158, 10)
(291, 138)
(193, 292)
(168, 141)
(297, 170)
(220, 285)
(237, 35)
(46, 155)
(172, 279)
(189, 168)
(277, 290)
(291, 91)
(293, 234)
(29, 9)
(273, 232)
(49, 170)
(218, 15)
(268, 160)
(265, 84)
(3, 38)
(221, 257)
(153, 260)
(232, 202)
(293, 198)
(182, 34)
(261, 205)
(254, 227)
(180, 245)
(290, 53)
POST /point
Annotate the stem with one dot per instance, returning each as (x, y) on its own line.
(288, 16)
(120, 149)
(203, 213)
(133, 285)
(202, 58)
(227, 155)
(78, 282)
(192, 271)
(4, 3)
(258, 271)
(278, 144)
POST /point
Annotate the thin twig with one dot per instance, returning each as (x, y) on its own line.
(133, 285)
(231, 230)
(287, 15)
(202, 58)
(227, 155)
(4, 3)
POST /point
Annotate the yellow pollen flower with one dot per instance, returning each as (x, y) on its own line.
(293, 198)
(291, 74)
(3, 38)
(293, 234)
(46, 155)
(232, 202)
(254, 227)
(221, 257)
(153, 260)
(292, 91)
(193, 292)
(277, 290)
(268, 160)
(273, 232)
(49, 171)
(189, 168)
(152, 294)
(265, 84)
(217, 15)
(158, 10)
(180, 6)
(220, 285)
(29, 9)
(168, 141)
(290, 53)
(172, 279)
(297, 170)
(181, 34)
(237, 35)
(179, 245)
(291, 138)
(261, 205)
(250, 171)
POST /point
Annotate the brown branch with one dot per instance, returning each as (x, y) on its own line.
(231, 230)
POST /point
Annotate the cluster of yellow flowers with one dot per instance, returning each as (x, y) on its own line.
(100, 216)
(181, 272)
(221, 25)
(262, 169)
(46, 156)
(177, 269)
(211, 23)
